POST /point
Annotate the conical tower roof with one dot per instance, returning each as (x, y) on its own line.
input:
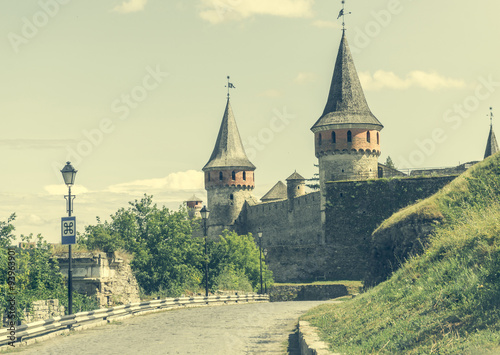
(277, 192)
(295, 176)
(194, 198)
(228, 151)
(491, 145)
(346, 106)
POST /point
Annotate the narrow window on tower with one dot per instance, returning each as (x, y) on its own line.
(233, 175)
(244, 175)
(319, 139)
(368, 136)
(208, 174)
(349, 137)
(231, 197)
(378, 138)
(334, 138)
(221, 177)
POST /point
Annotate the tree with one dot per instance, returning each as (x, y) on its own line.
(36, 274)
(314, 185)
(6, 229)
(166, 258)
(389, 163)
(236, 256)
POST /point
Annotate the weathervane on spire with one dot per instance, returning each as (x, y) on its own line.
(342, 14)
(491, 116)
(229, 86)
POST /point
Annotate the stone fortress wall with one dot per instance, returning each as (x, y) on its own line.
(291, 232)
(301, 248)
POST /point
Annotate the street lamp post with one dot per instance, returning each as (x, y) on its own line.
(265, 259)
(69, 173)
(204, 215)
(260, 250)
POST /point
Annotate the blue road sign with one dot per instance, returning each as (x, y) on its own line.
(68, 230)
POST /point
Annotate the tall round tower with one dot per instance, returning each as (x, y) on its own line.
(347, 135)
(229, 176)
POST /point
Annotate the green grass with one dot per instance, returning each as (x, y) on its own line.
(353, 287)
(445, 301)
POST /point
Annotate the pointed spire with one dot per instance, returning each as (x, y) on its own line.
(492, 144)
(228, 151)
(346, 104)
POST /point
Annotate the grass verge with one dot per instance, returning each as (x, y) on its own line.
(445, 301)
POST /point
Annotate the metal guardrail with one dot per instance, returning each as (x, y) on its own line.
(39, 328)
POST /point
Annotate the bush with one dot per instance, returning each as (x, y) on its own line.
(230, 279)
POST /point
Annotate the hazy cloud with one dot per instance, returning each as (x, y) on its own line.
(325, 24)
(428, 81)
(36, 143)
(271, 93)
(130, 6)
(217, 11)
(305, 77)
(62, 189)
(184, 180)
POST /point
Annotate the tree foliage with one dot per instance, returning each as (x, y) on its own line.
(389, 163)
(235, 255)
(37, 274)
(165, 255)
(167, 259)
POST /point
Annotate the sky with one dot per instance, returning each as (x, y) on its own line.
(133, 92)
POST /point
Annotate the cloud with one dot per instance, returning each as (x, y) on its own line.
(326, 24)
(130, 6)
(36, 143)
(305, 77)
(62, 189)
(429, 81)
(217, 11)
(271, 93)
(180, 181)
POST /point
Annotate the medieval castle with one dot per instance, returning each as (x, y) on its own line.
(324, 234)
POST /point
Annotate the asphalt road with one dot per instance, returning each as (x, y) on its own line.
(256, 328)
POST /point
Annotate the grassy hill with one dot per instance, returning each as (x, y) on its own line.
(445, 300)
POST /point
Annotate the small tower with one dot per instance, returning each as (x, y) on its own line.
(347, 135)
(492, 144)
(229, 176)
(295, 187)
(194, 205)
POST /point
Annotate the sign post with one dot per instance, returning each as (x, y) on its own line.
(68, 230)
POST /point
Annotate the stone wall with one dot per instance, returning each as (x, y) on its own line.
(44, 309)
(355, 209)
(291, 233)
(107, 276)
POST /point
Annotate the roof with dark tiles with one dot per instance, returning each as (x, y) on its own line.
(295, 176)
(277, 192)
(491, 145)
(346, 106)
(228, 151)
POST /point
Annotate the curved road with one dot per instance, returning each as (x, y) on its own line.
(255, 328)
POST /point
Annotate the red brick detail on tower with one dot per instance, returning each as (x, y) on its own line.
(194, 204)
(242, 178)
(361, 140)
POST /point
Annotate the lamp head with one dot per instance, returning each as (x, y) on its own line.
(69, 174)
(204, 212)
